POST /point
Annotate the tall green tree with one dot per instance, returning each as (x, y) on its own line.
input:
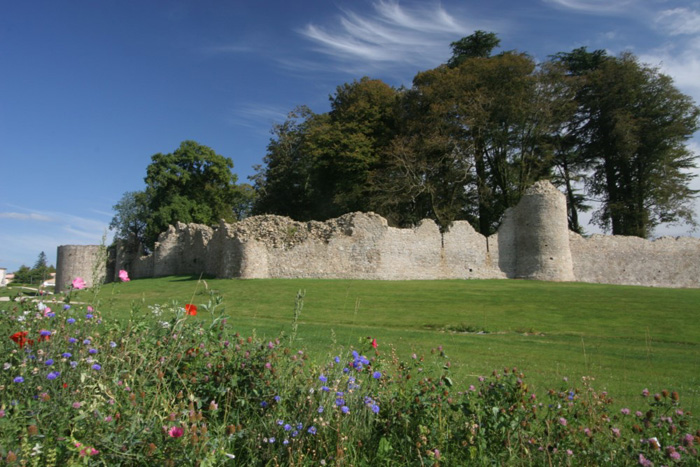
(495, 117)
(318, 166)
(191, 184)
(632, 128)
(130, 220)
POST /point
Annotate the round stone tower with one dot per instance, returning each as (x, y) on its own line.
(86, 261)
(542, 235)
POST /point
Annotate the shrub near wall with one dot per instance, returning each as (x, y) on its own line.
(177, 386)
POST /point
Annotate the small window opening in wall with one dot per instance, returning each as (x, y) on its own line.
(551, 258)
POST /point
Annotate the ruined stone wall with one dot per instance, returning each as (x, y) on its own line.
(616, 259)
(86, 261)
(532, 243)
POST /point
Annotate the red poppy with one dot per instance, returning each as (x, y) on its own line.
(374, 343)
(20, 338)
(191, 309)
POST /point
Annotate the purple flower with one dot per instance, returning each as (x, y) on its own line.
(340, 401)
(92, 351)
(72, 340)
(287, 427)
(263, 404)
(345, 409)
(320, 409)
(66, 307)
(113, 344)
(322, 378)
(66, 355)
(50, 314)
(277, 398)
(53, 375)
(562, 421)
(73, 364)
(312, 430)
(625, 411)
(70, 320)
(337, 359)
(96, 367)
(45, 333)
(86, 342)
(89, 316)
(376, 375)
(19, 379)
(272, 440)
(325, 388)
(375, 408)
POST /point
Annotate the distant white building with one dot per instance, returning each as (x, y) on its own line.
(3, 271)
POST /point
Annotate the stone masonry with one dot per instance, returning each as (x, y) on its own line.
(533, 242)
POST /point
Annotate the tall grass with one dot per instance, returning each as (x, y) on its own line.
(177, 384)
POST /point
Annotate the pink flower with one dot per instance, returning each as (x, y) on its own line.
(374, 343)
(78, 283)
(562, 421)
(124, 276)
(176, 432)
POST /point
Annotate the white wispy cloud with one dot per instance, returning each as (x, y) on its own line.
(594, 6)
(30, 231)
(32, 216)
(679, 21)
(393, 33)
(258, 116)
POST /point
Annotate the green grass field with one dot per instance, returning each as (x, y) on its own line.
(628, 338)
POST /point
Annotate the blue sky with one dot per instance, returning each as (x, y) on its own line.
(90, 90)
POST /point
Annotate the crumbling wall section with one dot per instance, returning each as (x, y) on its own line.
(532, 242)
(617, 259)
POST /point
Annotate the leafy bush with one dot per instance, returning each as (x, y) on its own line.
(177, 385)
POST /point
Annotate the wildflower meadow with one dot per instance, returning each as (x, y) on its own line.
(176, 384)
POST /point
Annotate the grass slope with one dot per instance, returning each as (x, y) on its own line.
(628, 338)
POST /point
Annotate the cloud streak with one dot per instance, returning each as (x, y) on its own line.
(594, 6)
(25, 216)
(393, 35)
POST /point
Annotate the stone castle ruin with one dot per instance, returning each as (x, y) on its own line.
(533, 242)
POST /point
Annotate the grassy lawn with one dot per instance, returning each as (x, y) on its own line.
(628, 338)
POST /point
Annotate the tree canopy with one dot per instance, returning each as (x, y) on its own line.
(191, 184)
(470, 136)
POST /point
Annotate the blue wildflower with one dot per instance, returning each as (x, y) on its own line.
(53, 375)
(66, 307)
(277, 398)
(45, 333)
(322, 378)
(92, 351)
(340, 401)
(96, 367)
(320, 409)
(49, 361)
(263, 404)
(287, 427)
(337, 359)
(280, 422)
(86, 342)
(325, 388)
(312, 430)
(345, 409)
(70, 320)
(72, 340)
(113, 344)
(376, 375)
(73, 364)
(375, 408)
(89, 316)
(19, 379)
(66, 355)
